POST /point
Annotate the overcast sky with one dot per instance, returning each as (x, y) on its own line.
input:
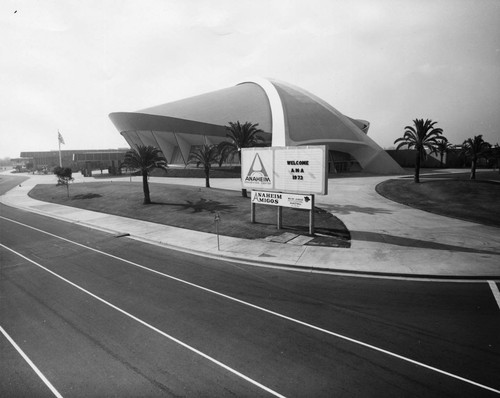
(65, 65)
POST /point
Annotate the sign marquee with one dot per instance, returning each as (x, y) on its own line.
(299, 169)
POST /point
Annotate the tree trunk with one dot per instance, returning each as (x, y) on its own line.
(473, 169)
(243, 190)
(207, 177)
(416, 178)
(145, 187)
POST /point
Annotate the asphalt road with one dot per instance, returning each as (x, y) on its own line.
(103, 316)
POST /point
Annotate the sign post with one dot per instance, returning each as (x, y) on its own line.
(279, 223)
(217, 220)
(311, 217)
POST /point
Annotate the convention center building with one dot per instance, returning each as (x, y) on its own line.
(288, 115)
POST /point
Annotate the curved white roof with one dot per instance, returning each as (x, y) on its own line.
(288, 114)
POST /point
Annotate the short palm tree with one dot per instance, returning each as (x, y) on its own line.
(145, 158)
(240, 136)
(422, 137)
(205, 155)
(475, 148)
(443, 147)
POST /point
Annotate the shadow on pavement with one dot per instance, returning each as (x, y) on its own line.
(200, 206)
(348, 209)
(416, 243)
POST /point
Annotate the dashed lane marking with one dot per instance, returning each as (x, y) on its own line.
(33, 366)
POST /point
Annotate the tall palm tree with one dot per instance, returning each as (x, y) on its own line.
(145, 158)
(443, 147)
(475, 148)
(240, 136)
(422, 137)
(205, 155)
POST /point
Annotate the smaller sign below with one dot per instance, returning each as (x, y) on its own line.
(282, 199)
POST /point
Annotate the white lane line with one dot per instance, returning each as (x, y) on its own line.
(33, 366)
(340, 336)
(495, 291)
(222, 365)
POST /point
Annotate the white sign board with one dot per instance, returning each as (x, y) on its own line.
(299, 169)
(282, 199)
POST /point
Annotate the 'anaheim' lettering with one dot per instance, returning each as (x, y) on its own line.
(268, 195)
(265, 179)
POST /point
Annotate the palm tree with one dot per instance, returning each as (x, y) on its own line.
(423, 137)
(145, 158)
(205, 155)
(475, 148)
(443, 147)
(240, 136)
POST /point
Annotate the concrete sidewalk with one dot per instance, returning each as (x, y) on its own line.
(387, 238)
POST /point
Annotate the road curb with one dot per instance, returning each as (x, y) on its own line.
(313, 269)
(263, 262)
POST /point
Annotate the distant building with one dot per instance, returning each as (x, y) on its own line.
(288, 115)
(20, 162)
(78, 159)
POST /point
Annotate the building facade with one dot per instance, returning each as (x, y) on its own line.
(288, 115)
(78, 159)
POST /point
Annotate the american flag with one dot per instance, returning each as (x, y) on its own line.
(60, 137)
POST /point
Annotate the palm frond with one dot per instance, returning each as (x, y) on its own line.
(205, 155)
(239, 136)
(144, 158)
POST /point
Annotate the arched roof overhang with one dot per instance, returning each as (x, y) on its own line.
(133, 121)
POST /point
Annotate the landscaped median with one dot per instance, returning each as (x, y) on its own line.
(451, 196)
(195, 208)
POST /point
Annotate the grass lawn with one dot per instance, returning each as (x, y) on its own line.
(194, 208)
(477, 201)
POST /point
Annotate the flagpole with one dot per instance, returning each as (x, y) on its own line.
(59, 140)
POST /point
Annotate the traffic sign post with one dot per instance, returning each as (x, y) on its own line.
(217, 220)
(311, 217)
